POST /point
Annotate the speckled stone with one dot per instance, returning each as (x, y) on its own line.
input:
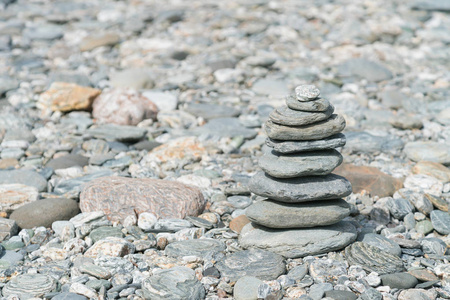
(307, 92)
(313, 106)
(373, 259)
(198, 247)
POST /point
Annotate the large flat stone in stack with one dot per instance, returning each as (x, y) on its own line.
(300, 164)
(286, 147)
(300, 189)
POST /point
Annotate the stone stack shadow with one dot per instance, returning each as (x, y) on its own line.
(303, 212)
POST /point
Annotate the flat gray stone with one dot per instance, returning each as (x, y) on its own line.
(258, 263)
(8, 228)
(433, 246)
(373, 259)
(69, 296)
(29, 285)
(67, 161)
(283, 115)
(294, 243)
(225, 127)
(25, 177)
(301, 189)
(177, 283)
(313, 106)
(211, 111)
(363, 68)
(286, 147)
(429, 151)
(400, 207)
(120, 133)
(341, 295)
(364, 142)
(316, 131)
(381, 242)
(299, 164)
(45, 212)
(399, 280)
(273, 214)
(199, 247)
(441, 221)
(246, 288)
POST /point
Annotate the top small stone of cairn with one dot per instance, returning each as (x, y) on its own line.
(307, 92)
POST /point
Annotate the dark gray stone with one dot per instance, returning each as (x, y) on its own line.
(316, 131)
(226, 127)
(363, 68)
(121, 133)
(340, 295)
(45, 212)
(26, 177)
(313, 106)
(381, 242)
(297, 273)
(273, 214)
(399, 280)
(299, 164)
(177, 283)
(199, 247)
(373, 259)
(302, 189)
(440, 221)
(286, 147)
(399, 208)
(294, 243)
(317, 291)
(258, 263)
(283, 115)
(67, 161)
(433, 246)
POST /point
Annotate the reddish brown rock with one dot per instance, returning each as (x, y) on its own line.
(63, 96)
(370, 179)
(433, 169)
(119, 197)
(123, 107)
(238, 223)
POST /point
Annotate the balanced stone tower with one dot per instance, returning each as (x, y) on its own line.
(303, 212)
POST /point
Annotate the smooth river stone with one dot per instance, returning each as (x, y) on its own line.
(373, 259)
(286, 147)
(314, 106)
(264, 265)
(300, 164)
(301, 189)
(29, 285)
(307, 92)
(316, 131)
(285, 116)
(197, 247)
(293, 243)
(274, 214)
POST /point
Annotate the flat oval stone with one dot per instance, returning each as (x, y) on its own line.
(440, 221)
(285, 147)
(300, 189)
(177, 283)
(293, 243)
(29, 285)
(373, 259)
(314, 106)
(198, 248)
(285, 116)
(300, 164)
(104, 232)
(316, 131)
(381, 242)
(274, 214)
(399, 280)
(261, 264)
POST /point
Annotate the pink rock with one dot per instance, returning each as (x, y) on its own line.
(123, 107)
(119, 197)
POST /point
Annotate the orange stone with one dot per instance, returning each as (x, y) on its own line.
(369, 179)
(238, 223)
(65, 97)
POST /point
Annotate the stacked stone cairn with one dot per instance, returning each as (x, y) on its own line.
(304, 209)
